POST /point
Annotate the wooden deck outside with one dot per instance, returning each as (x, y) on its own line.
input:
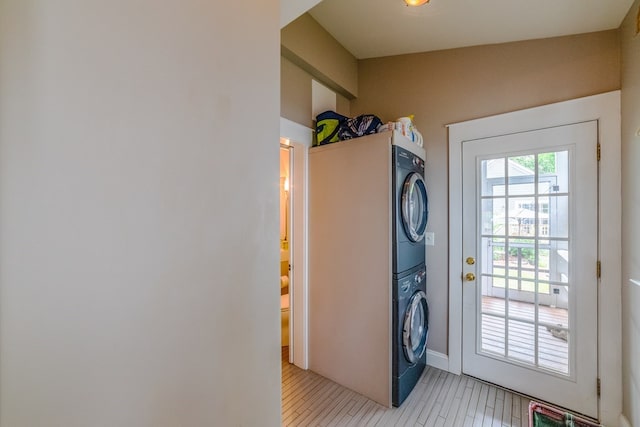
(553, 350)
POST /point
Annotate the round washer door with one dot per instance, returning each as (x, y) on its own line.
(415, 327)
(415, 207)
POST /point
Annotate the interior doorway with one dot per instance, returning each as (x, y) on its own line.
(285, 245)
(295, 140)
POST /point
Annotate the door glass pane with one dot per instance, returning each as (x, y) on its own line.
(493, 296)
(557, 217)
(555, 266)
(543, 261)
(493, 332)
(493, 220)
(553, 353)
(521, 345)
(519, 309)
(521, 175)
(555, 313)
(522, 216)
(524, 259)
(553, 172)
(493, 177)
(494, 251)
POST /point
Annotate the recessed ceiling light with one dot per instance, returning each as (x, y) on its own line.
(416, 2)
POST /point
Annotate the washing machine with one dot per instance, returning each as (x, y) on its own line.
(410, 332)
(410, 210)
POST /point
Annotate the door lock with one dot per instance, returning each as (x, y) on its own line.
(469, 277)
(471, 260)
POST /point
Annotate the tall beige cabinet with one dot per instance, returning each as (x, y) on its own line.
(350, 264)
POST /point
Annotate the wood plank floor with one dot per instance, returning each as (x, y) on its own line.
(439, 399)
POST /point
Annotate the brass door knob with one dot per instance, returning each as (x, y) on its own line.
(469, 277)
(471, 260)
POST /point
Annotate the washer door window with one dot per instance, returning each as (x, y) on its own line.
(415, 207)
(415, 327)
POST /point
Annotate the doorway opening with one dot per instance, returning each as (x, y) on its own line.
(285, 240)
(295, 141)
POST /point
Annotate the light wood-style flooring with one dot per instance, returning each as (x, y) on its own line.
(439, 399)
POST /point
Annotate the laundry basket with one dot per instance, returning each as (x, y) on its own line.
(545, 416)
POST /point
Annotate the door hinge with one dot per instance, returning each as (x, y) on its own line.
(598, 269)
(598, 386)
(598, 152)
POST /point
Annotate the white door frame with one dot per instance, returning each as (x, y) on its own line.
(299, 138)
(605, 108)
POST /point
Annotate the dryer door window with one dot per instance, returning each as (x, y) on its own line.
(415, 207)
(415, 327)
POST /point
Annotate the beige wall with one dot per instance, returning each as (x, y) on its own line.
(139, 213)
(630, 214)
(311, 47)
(295, 95)
(455, 85)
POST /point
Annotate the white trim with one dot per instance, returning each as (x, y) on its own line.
(299, 138)
(624, 422)
(437, 360)
(296, 132)
(455, 253)
(606, 109)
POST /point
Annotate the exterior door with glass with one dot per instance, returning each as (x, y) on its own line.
(530, 252)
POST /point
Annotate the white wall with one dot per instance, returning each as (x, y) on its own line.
(630, 42)
(139, 213)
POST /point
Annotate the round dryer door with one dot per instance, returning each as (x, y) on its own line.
(415, 327)
(415, 207)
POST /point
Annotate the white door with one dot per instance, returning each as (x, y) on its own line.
(530, 257)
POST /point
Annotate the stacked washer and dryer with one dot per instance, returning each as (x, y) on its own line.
(409, 285)
(368, 314)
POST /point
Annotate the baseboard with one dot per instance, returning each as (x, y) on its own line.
(624, 422)
(438, 360)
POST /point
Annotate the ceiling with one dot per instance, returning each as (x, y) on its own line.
(375, 28)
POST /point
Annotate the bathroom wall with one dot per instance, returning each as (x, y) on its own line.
(459, 84)
(284, 195)
(630, 40)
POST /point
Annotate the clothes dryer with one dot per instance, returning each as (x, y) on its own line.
(410, 210)
(410, 332)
